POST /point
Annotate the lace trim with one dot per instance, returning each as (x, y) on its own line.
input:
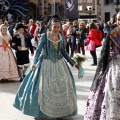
(56, 94)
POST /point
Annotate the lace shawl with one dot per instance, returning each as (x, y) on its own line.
(102, 64)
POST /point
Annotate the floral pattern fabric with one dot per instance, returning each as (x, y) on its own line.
(104, 103)
(8, 66)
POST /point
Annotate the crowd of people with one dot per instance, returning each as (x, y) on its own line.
(48, 89)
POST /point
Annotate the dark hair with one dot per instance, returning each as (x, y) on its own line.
(114, 18)
(70, 23)
(53, 19)
(42, 23)
(92, 26)
(20, 25)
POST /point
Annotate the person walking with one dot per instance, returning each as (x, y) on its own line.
(81, 37)
(73, 38)
(8, 66)
(48, 90)
(93, 42)
(69, 35)
(31, 29)
(64, 32)
(21, 44)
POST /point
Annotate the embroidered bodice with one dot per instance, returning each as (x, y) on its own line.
(7, 39)
(113, 45)
(54, 51)
(114, 48)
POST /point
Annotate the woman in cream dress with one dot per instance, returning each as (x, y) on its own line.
(8, 66)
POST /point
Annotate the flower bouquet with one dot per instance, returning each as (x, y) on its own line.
(79, 59)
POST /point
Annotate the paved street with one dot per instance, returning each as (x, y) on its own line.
(8, 91)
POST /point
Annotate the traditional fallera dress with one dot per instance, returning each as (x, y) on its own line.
(8, 66)
(104, 99)
(49, 91)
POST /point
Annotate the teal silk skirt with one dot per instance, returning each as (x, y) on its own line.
(48, 92)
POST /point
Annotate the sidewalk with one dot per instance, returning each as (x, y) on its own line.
(8, 91)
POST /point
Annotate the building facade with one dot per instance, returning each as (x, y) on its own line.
(88, 10)
(47, 8)
(107, 9)
(35, 9)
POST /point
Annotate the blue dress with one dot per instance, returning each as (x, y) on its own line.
(49, 91)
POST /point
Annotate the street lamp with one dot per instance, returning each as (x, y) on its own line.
(116, 2)
(90, 11)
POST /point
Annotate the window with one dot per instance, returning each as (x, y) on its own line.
(99, 2)
(116, 2)
(80, 1)
(80, 8)
(89, 1)
(89, 7)
(107, 2)
(107, 16)
(112, 1)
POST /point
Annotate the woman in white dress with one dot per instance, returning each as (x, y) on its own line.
(8, 66)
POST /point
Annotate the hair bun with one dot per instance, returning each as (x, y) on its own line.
(56, 16)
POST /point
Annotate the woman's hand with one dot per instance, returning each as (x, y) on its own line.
(33, 67)
(13, 44)
(76, 65)
(78, 32)
(19, 47)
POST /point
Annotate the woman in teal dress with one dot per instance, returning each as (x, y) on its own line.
(48, 90)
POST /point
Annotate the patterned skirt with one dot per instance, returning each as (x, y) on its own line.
(48, 92)
(8, 66)
(104, 104)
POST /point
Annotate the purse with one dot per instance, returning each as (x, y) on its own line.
(91, 46)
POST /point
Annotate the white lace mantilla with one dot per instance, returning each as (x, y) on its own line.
(56, 92)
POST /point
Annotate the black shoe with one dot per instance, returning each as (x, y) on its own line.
(24, 76)
(21, 79)
(93, 64)
(2, 81)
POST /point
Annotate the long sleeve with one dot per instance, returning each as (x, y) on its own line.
(92, 34)
(14, 40)
(65, 55)
(83, 36)
(40, 46)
